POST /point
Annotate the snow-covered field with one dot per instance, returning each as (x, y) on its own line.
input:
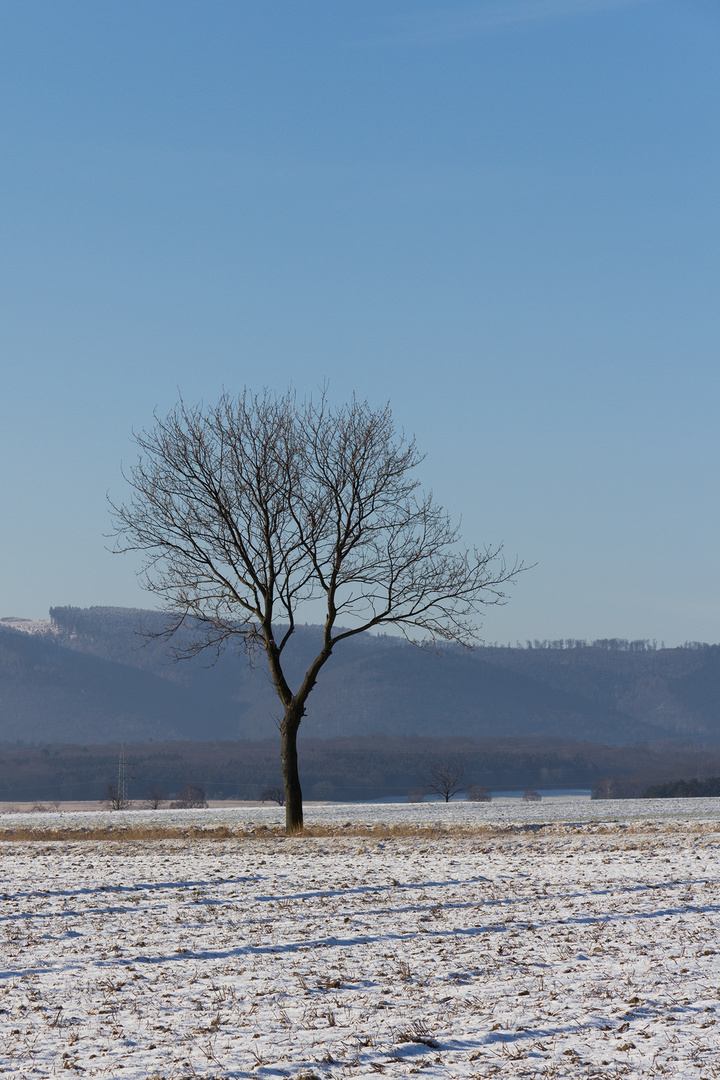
(500, 813)
(539, 940)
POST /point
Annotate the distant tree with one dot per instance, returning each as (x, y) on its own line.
(154, 798)
(416, 795)
(114, 800)
(273, 794)
(249, 510)
(606, 788)
(477, 793)
(444, 777)
(532, 796)
(191, 796)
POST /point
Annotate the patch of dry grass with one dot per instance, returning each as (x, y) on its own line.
(123, 832)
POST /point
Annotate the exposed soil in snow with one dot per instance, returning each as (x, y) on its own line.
(541, 946)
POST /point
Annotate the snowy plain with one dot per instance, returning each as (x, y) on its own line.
(565, 938)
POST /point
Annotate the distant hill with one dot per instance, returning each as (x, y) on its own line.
(93, 678)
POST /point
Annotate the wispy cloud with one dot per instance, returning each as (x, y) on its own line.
(471, 19)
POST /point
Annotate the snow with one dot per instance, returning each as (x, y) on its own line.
(559, 811)
(563, 939)
(28, 626)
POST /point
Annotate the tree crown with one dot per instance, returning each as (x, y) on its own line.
(248, 510)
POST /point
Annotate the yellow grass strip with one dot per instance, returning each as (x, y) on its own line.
(122, 832)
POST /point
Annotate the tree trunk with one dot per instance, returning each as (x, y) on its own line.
(291, 777)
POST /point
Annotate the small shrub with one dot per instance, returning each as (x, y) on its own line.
(478, 793)
(415, 795)
(532, 796)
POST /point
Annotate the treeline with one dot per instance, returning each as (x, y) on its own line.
(661, 780)
(685, 789)
(608, 644)
(112, 622)
(343, 769)
(100, 621)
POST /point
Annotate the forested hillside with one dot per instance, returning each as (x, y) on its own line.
(93, 678)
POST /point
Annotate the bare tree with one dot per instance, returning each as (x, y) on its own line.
(274, 794)
(444, 777)
(192, 796)
(115, 800)
(154, 797)
(251, 509)
(606, 788)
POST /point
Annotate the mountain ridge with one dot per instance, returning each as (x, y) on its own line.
(93, 678)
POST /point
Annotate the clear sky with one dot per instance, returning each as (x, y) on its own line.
(503, 216)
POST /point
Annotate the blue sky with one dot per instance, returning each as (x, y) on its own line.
(502, 216)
